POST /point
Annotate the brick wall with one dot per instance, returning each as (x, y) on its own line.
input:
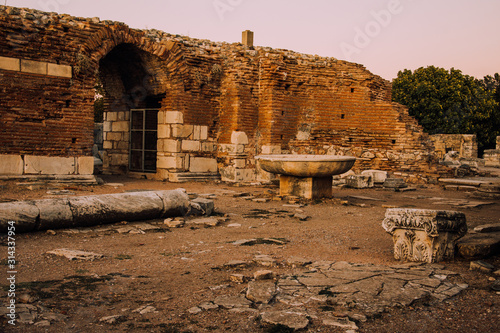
(280, 100)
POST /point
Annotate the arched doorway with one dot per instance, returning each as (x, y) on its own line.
(132, 81)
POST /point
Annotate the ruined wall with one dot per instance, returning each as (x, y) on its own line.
(464, 144)
(492, 156)
(218, 104)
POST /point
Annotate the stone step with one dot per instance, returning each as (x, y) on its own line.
(463, 182)
(183, 177)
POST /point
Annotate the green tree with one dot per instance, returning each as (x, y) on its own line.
(449, 102)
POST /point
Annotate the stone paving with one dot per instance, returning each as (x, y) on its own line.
(337, 293)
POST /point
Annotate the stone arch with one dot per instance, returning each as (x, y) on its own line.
(137, 72)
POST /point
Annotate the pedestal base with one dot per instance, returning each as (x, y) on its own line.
(306, 187)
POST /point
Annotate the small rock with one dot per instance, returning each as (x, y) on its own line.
(195, 310)
(56, 317)
(111, 319)
(219, 287)
(51, 232)
(171, 223)
(263, 275)
(293, 320)
(358, 317)
(208, 222)
(125, 230)
(497, 272)
(208, 306)
(264, 260)
(261, 291)
(236, 264)
(297, 262)
(481, 266)
(26, 298)
(302, 217)
(340, 322)
(145, 309)
(238, 278)
(75, 254)
(43, 323)
(234, 225)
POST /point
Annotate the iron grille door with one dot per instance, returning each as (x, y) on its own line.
(143, 139)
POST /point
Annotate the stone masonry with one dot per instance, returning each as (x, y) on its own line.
(209, 97)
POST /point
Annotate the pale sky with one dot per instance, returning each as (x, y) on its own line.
(384, 35)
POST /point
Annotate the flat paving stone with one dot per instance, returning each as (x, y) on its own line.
(366, 289)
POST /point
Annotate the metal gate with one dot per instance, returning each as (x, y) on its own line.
(143, 139)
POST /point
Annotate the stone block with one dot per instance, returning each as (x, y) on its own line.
(359, 181)
(164, 131)
(479, 245)
(111, 116)
(34, 67)
(107, 145)
(10, 64)
(306, 187)
(174, 117)
(191, 145)
(120, 126)
(162, 174)
(239, 138)
(202, 164)
(208, 147)
(271, 150)
(48, 165)
(424, 235)
(171, 162)
(113, 136)
(169, 146)
(395, 183)
(233, 175)
(118, 159)
(240, 163)
(203, 132)
(492, 158)
(11, 165)
(182, 131)
(196, 132)
(60, 70)
(106, 126)
(378, 176)
(207, 206)
(85, 165)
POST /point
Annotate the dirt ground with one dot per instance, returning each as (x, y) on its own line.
(173, 270)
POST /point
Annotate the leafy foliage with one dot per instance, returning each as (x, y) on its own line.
(449, 102)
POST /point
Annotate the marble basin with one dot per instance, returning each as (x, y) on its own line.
(316, 166)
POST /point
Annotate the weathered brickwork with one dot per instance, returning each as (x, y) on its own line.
(204, 92)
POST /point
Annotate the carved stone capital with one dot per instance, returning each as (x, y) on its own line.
(424, 235)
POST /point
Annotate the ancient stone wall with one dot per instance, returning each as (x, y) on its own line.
(464, 144)
(218, 104)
